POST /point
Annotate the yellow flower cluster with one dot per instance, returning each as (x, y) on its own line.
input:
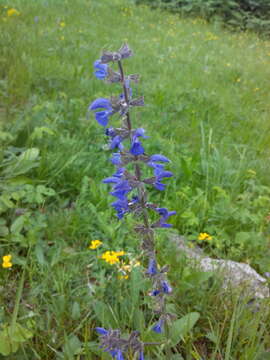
(95, 244)
(126, 268)
(112, 257)
(204, 236)
(7, 261)
(12, 12)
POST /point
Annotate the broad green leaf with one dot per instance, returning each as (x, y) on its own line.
(10, 338)
(71, 347)
(104, 314)
(19, 333)
(40, 131)
(176, 357)
(40, 254)
(6, 346)
(182, 326)
(76, 311)
(22, 163)
(18, 224)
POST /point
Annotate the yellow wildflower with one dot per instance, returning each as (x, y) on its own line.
(12, 12)
(121, 277)
(204, 236)
(95, 244)
(7, 261)
(112, 257)
(62, 24)
(119, 253)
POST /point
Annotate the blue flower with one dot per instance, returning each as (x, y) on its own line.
(101, 70)
(166, 288)
(160, 173)
(165, 214)
(152, 267)
(121, 189)
(119, 355)
(110, 132)
(136, 146)
(159, 158)
(141, 355)
(101, 331)
(121, 207)
(117, 142)
(102, 117)
(115, 178)
(100, 103)
(116, 159)
(155, 292)
(158, 327)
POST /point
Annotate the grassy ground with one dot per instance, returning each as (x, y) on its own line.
(207, 95)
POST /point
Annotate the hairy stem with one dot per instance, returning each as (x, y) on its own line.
(141, 191)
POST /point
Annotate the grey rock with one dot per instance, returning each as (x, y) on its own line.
(234, 274)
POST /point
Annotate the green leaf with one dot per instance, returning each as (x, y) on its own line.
(11, 337)
(182, 326)
(6, 345)
(40, 254)
(18, 224)
(19, 333)
(76, 311)
(71, 347)
(40, 131)
(3, 228)
(176, 357)
(22, 163)
(105, 314)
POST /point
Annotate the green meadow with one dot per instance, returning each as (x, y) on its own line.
(207, 96)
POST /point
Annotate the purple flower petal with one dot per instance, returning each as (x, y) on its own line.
(158, 327)
(101, 70)
(159, 158)
(100, 103)
(136, 148)
(159, 186)
(119, 355)
(140, 132)
(101, 331)
(102, 117)
(116, 142)
(116, 159)
(166, 287)
(110, 180)
(152, 267)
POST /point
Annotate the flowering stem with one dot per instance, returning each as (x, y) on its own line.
(141, 191)
(125, 92)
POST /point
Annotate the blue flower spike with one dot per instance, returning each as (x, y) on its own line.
(127, 177)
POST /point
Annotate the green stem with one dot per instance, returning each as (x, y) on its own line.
(18, 296)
